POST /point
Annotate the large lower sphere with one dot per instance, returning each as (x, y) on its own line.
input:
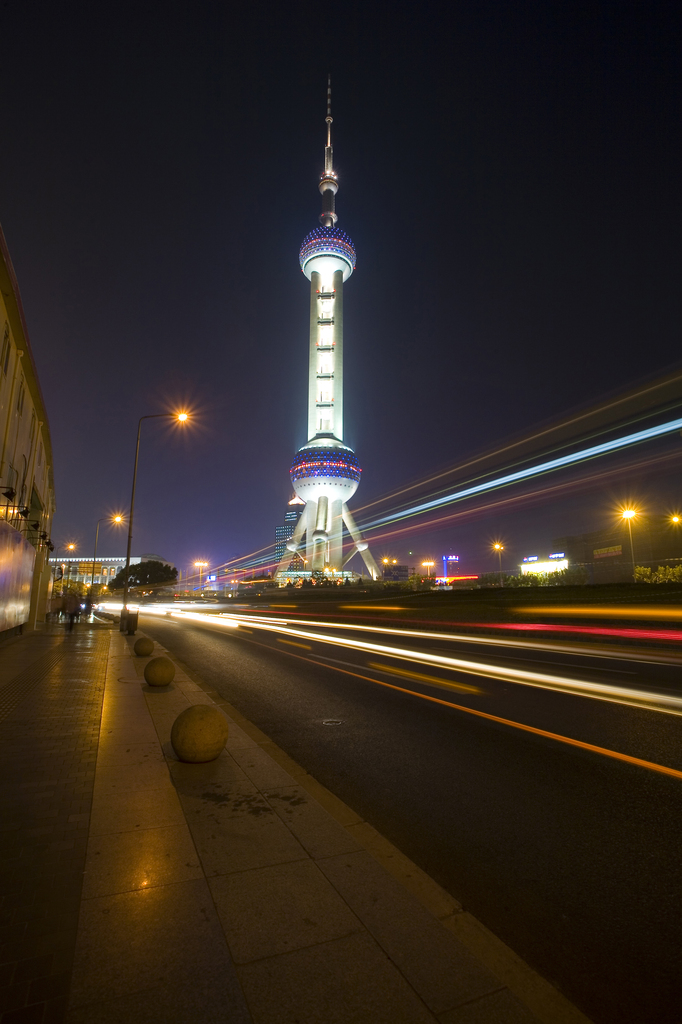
(159, 672)
(199, 733)
(144, 647)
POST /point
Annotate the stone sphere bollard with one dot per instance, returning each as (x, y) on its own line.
(199, 733)
(159, 671)
(144, 647)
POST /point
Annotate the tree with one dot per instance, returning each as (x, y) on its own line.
(145, 574)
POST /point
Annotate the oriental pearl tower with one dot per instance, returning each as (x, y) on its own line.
(325, 472)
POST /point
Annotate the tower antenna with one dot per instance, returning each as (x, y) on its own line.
(329, 117)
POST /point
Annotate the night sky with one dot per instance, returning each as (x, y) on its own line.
(509, 176)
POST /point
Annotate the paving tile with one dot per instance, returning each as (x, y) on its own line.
(123, 861)
(347, 981)
(260, 767)
(235, 829)
(442, 971)
(496, 1008)
(209, 998)
(276, 909)
(142, 808)
(315, 829)
(169, 935)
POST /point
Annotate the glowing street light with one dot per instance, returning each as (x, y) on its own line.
(628, 514)
(200, 566)
(675, 519)
(499, 548)
(428, 566)
(113, 519)
(179, 417)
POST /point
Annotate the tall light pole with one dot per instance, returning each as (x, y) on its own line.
(629, 514)
(181, 418)
(428, 566)
(200, 566)
(499, 548)
(113, 519)
(66, 547)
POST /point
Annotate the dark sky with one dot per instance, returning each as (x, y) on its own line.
(509, 175)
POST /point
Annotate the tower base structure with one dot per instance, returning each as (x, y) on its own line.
(325, 474)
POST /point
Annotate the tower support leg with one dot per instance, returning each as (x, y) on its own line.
(360, 544)
(336, 535)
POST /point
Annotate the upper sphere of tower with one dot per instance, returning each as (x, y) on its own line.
(326, 250)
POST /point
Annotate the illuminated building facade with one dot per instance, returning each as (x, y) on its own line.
(325, 472)
(27, 500)
(285, 532)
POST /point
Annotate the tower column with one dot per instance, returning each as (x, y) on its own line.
(338, 355)
(313, 356)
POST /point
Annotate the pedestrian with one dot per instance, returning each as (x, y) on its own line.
(72, 608)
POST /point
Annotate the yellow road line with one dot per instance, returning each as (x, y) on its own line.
(244, 629)
(292, 643)
(604, 751)
(432, 680)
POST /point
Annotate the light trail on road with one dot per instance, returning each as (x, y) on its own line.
(643, 699)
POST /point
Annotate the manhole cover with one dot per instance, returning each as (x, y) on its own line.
(331, 721)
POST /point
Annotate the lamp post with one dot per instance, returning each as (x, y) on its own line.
(428, 566)
(629, 514)
(499, 548)
(181, 418)
(200, 566)
(114, 519)
(65, 547)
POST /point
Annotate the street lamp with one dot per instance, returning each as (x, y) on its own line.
(113, 519)
(428, 566)
(629, 514)
(675, 519)
(499, 548)
(63, 547)
(180, 417)
(200, 566)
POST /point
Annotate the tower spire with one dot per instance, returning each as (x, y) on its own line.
(328, 183)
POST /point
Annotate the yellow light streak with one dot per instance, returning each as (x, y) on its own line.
(419, 678)
(606, 611)
(292, 643)
(374, 607)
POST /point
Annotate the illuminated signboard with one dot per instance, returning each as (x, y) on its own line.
(614, 551)
(537, 567)
(557, 554)
(531, 558)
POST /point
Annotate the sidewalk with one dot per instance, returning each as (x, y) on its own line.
(137, 888)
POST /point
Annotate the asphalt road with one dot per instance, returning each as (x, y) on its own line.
(570, 856)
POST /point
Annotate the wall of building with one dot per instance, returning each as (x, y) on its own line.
(26, 479)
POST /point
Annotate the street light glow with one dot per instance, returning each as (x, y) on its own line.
(498, 547)
(182, 416)
(628, 513)
(674, 519)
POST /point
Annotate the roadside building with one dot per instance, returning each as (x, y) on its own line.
(26, 479)
(78, 569)
(285, 532)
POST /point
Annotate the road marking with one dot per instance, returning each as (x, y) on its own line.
(244, 629)
(431, 680)
(292, 643)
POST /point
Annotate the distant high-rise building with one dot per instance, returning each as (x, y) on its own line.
(285, 532)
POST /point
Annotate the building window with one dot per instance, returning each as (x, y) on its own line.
(4, 356)
(20, 399)
(40, 454)
(33, 428)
